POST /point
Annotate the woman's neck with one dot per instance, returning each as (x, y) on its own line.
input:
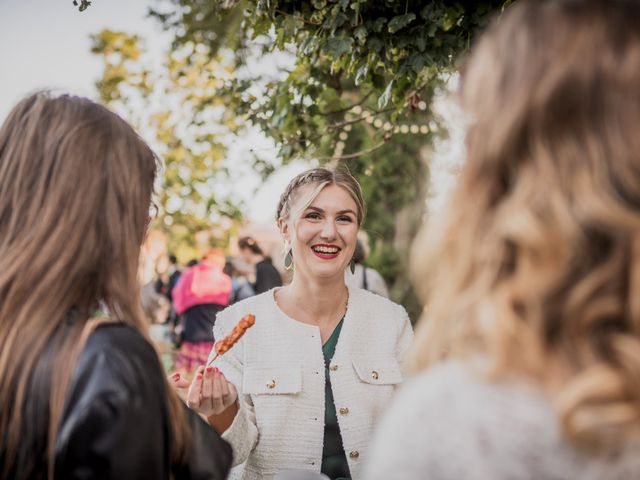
(321, 304)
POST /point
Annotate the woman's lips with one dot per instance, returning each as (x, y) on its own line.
(326, 252)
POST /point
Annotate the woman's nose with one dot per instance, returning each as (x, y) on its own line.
(328, 230)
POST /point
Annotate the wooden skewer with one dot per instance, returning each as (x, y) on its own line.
(230, 340)
(213, 359)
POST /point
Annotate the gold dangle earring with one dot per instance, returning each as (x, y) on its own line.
(288, 260)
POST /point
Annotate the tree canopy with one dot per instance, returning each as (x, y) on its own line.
(357, 89)
(178, 111)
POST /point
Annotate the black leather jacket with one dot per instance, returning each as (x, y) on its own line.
(116, 423)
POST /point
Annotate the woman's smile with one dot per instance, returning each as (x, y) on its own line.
(326, 251)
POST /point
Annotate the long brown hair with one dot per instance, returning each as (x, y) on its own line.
(537, 263)
(75, 188)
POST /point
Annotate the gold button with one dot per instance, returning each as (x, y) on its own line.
(344, 410)
(354, 454)
(374, 375)
(271, 384)
(333, 367)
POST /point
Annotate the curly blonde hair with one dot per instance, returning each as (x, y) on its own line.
(536, 265)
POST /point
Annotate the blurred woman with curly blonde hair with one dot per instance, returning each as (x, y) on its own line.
(529, 346)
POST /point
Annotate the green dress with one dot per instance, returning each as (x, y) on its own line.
(334, 460)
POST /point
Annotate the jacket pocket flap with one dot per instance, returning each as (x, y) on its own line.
(263, 380)
(378, 370)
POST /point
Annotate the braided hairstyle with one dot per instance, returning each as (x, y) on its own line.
(321, 177)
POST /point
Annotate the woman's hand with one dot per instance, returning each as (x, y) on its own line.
(210, 393)
(177, 381)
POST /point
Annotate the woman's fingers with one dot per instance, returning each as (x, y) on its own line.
(233, 393)
(229, 393)
(207, 388)
(210, 392)
(218, 398)
(177, 381)
(224, 386)
(194, 397)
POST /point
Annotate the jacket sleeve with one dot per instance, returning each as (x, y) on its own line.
(111, 439)
(117, 423)
(209, 456)
(243, 433)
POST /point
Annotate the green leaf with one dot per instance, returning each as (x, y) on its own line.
(375, 44)
(383, 101)
(338, 46)
(362, 73)
(401, 21)
(361, 34)
(416, 62)
(309, 45)
(338, 21)
(378, 24)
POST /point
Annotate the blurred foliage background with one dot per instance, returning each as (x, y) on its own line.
(356, 88)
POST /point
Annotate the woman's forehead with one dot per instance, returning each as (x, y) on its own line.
(331, 196)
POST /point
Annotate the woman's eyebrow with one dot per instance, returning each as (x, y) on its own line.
(341, 212)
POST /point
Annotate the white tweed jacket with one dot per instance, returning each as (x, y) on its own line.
(278, 369)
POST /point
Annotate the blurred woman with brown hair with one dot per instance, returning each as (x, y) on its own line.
(530, 339)
(83, 395)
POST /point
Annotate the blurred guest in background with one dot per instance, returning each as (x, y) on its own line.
(530, 342)
(363, 276)
(202, 291)
(241, 288)
(267, 276)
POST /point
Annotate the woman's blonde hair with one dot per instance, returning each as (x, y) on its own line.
(321, 177)
(537, 264)
(75, 190)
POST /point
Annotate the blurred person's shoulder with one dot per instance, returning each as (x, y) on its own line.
(491, 427)
(117, 337)
(116, 362)
(468, 392)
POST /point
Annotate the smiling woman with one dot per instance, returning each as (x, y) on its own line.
(322, 241)
(303, 388)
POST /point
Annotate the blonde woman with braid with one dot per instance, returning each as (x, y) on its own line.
(530, 341)
(303, 388)
(83, 396)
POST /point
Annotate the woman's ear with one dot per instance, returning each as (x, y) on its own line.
(283, 226)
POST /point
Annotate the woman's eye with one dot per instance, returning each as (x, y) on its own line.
(345, 219)
(312, 215)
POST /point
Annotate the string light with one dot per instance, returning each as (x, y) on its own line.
(371, 118)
